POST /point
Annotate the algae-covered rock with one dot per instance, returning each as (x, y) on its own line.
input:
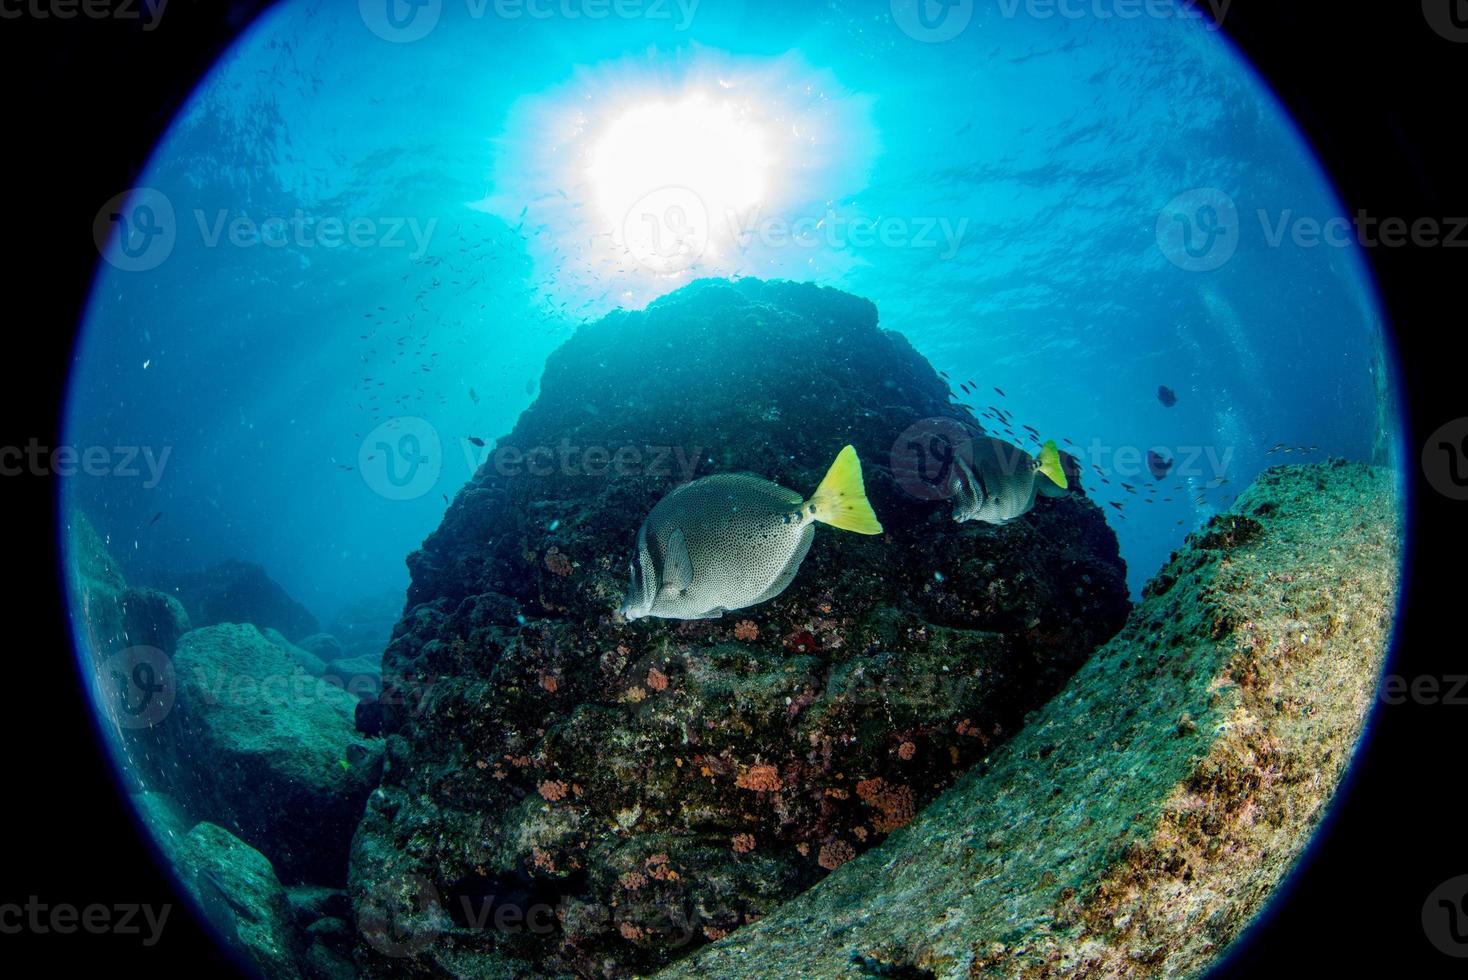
(1141, 820)
(243, 900)
(641, 789)
(269, 751)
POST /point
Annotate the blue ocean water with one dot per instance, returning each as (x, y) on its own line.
(373, 216)
(997, 196)
(339, 278)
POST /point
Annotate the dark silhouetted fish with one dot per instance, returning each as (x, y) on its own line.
(1001, 392)
(1166, 396)
(475, 441)
(1158, 464)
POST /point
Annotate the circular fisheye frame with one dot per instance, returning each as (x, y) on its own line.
(486, 346)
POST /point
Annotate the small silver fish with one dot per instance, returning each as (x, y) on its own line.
(734, 540)
(998, 481)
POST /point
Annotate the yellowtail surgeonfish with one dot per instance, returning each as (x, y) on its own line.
(734, 540)
(999, 482)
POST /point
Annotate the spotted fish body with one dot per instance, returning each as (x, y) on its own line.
(998, 483)
(730, 541)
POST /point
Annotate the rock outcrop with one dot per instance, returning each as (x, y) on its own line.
(237, 592)
(629, 792)
(1141, 820)
(274, 930)
(237, 890)
(237, 727)
(268, 751)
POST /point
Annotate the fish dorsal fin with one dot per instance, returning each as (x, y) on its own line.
(677, 566)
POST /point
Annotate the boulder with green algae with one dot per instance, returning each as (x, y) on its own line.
(242, 899)
(1142, 818)
(627, 792)
(260, 746)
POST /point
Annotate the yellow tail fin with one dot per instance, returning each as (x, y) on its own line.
(1050, 465)
(841, 499)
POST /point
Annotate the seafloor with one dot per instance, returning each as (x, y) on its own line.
(944, 751)
(1142, 818)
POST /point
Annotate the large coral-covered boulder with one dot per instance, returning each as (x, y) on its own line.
(640, 789)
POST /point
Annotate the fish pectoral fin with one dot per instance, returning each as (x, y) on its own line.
(677, 566)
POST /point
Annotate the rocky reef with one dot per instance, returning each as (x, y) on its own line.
(1143, 817)
(237, 592)
(566, 793)
(241, 746)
